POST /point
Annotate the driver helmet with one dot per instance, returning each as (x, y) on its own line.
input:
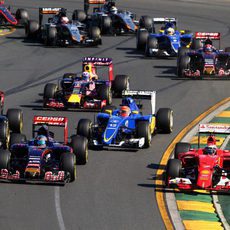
(170, 31)
(208, 48)
(125, 111)
(86, 76)
(41, 141)
(113, 9)
(210, 150)
(64, 20)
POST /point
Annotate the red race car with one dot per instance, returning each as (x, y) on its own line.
(8, 18)
(203, 168)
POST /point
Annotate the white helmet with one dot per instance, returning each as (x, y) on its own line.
(86, 76)
(113, 9)
(170, 31)
(64, 20)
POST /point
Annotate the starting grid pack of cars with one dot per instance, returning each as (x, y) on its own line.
(45, 160)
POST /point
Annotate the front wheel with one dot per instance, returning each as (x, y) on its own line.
(143, 130)
(173, 170)
(67, 164)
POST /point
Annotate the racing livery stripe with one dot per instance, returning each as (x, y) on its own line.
(193, 224)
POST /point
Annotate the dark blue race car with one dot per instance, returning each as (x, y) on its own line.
(60, 31)
(126, 127)
(165, 43)
(43, 159)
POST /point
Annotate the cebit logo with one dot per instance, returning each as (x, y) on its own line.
(50, 119)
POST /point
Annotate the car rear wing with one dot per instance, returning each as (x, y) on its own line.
(142, 94)
(213, 128)
(87, 3)
(51, 121)
(163, 20)
(206, 35)
(49, 10)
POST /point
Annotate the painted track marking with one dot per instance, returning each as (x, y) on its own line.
(58, 208)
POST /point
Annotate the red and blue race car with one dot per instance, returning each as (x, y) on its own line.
(203, 168)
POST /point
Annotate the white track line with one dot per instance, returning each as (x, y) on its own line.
(58, 208)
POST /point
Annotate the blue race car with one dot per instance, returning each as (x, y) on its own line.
(43, 159)
(60, 31)
(165, 43)
(126, 127)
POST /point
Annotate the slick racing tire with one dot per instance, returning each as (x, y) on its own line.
(182, 64)
(196, 44)
(164, 120)
(15, 118)
(22, 16)
(173, 169)
(69, 75)
(50, 91)
(104, 93)
(152, 43)
(120, 83)
(31, 29)
(51, 36)
(181, 147)
(79, 15)
(146, 22)
(106, 24)
(84, 128)
(182, 51)
(4, 134)
(141, 39)
(4, 159)
(80, 149)
(95, 32)
(16, 138)
(67, 164)
(143, 130)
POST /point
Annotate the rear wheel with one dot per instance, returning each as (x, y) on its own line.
(143, 130)
(22, 16)
(120, 83)
(164, 120)
(15, 117)
(4, 159)
(104, 93)
(79, 15)
(141, 39)
(146, 22)
(84, 128)
(196, 44)
(16, 138)
(67, 164)
(106, 24)
(80, 149)
(181, 147)
(173, 169)
(31, 29)
(69, 75)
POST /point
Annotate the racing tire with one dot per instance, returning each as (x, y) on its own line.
(181, 147)
(67, 164)
(164, 120)
(22, 16)
(182, 51)
(152, 43)
(16, 138)
(182, 64)
(84, 128)
(15, 118)
(79, 15)
(173, 169)
(95, 32)
(31, 29)
(227, 50)
(143, 130)
(108, 109)
(80, 149)
(120, 83)
(4, 159)
(196, 44)
(50, 91)
(104, 93)
(51, 39)
(4, 134)
(146, 22)
(141, 39)
(106, 24)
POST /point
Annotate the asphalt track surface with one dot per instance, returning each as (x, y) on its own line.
(115, 190)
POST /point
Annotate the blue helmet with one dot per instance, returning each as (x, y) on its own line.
(41, 141)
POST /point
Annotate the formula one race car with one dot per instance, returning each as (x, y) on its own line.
(21, 16)
(60, 31)
(43, 159)
(126, 127)
(165, 43)
(107, 17)
(87, 91)
(203, 168)
(206, 62)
